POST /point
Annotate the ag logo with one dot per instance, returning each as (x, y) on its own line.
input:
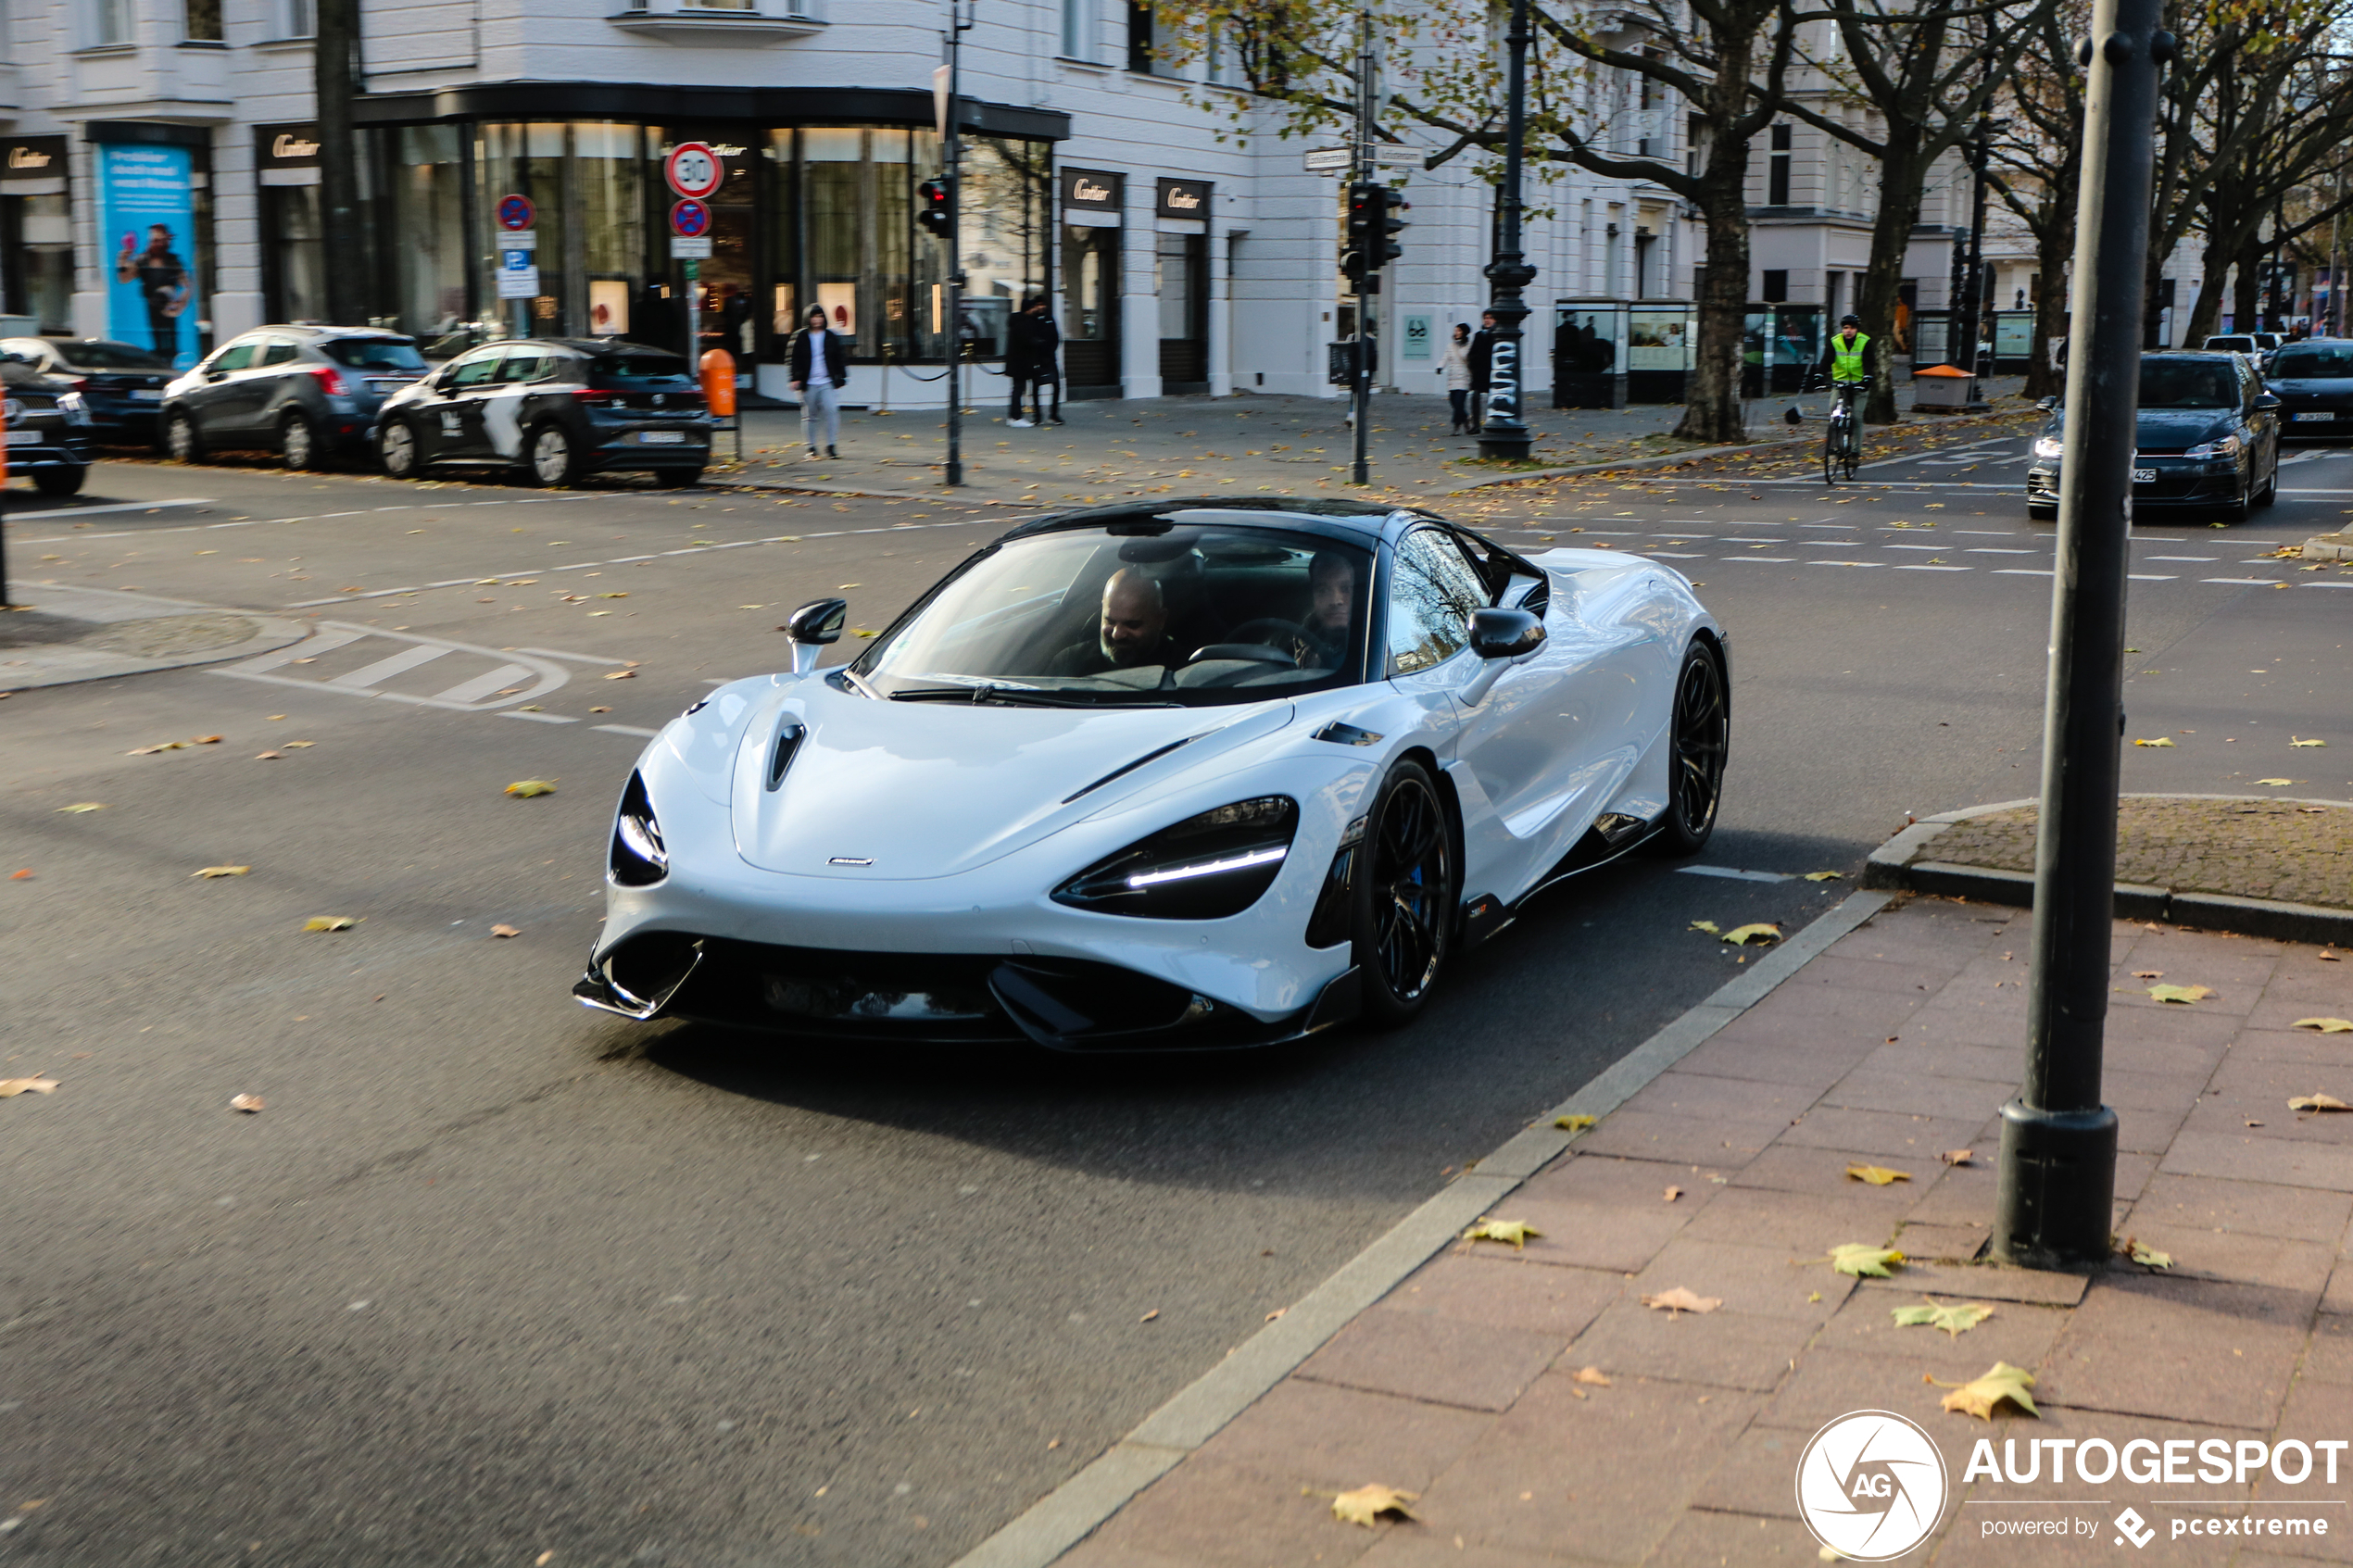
(1871, 1486)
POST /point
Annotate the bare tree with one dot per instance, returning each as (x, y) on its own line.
(2038, 170)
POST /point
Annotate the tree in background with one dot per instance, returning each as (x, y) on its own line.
(2038, 171)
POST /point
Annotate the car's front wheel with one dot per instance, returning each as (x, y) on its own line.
(298, 444)
(180, 440)
(59, 480)
(553, 461)
(2270, 488)
(1406, 896)
(396, 449)
(1698, 742)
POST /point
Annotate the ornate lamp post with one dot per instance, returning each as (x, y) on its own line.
(1502, 431)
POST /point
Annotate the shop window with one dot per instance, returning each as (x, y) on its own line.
(1001, 234)
(294, 276)
(1180, 277)
(36, 260)
(1776, 289)
(427, 225)
(200, 22)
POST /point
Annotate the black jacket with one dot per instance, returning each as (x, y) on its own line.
(1482, 360)
(1032, 343)
(836, 358)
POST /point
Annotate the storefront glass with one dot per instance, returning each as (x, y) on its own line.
(1002, 234)
(426, 181)
(36, 251)
(293, 283)
(526, 159)
(608, 174)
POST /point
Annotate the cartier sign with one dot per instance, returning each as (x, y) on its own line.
(1090, 191)
(1183, 198)
(33, 157)
(286, 147)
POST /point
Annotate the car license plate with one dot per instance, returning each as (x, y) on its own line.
(24, 438)
(146, 394)
(2143, 476)
(661, 438)
(2322, 417)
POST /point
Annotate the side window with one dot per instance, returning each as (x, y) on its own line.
(236, 357)
(1432, 593)
(477, 372)
(278, 351)
(523, 368)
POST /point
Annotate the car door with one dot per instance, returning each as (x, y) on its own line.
(502, 400)
(272, 386)
(211, 401)
(2263, 421)
(456, 410)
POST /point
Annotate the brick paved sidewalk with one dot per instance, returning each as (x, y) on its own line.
(1897, 1044)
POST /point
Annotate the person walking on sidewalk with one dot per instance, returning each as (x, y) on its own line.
(1456, 369)
(1482, 368)
(818, 367)
(1032, 343)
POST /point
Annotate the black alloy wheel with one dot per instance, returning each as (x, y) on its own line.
(1407, 890)
(1697, 745)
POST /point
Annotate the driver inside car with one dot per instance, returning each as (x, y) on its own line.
(1133, 632)
(1331, 600)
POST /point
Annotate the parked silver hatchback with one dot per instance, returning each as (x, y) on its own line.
(306, 393)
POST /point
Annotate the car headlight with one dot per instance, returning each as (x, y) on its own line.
(640, 858)
(73, 407)
(2227, 447)
(2046, 446)
(1204, 868)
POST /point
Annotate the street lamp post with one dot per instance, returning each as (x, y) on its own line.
(2057, 1172)
(951, 168)
(1502, 430)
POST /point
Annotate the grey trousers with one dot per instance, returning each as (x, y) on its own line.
(819, 414)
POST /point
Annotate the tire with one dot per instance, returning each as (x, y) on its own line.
(397, 449)
(298, 445)
(1852, 456)
(60, 481)
(2270, 488)
(1407, 897)
(1699, 740)
(1830, 457)
(182, 441)
(2041, 514)
(550, 461)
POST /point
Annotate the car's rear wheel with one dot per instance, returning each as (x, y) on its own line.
(1406, 897)
(2041, 514)
(553, 461)
(396, 449)
(60, 481)
(1698, 742)
(180, 440)
(298, 444)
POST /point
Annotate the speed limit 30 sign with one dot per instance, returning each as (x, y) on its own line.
(693, 169)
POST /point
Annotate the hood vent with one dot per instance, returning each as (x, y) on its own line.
(1126, 768)
(780, 756)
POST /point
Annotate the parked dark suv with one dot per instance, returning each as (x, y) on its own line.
(121, 384)
(2208, 435)
(48, 428)
(304, 392)
(552, 410)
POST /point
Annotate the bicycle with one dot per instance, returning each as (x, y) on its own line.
(1843, 444)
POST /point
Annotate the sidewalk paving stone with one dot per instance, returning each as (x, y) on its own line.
(1490, 1285)
(1318, 1435)
(1920, 1094)
(2242, 1156)
(2157, 1347)
(1808, 1223)
(1440, 1360)
(1774, 1280)
(1723, 1350)
(1659, 1136)
(2251, 1207)
(1719, 1540)
(1883, 1131)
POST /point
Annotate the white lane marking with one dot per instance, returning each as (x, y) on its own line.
(111, 506)
(1927, 568)
(482, 685)
(2150, 577)
(2182, 558)
(626, 730)
(543, 718)
(1997, 550)
(1775, 561)
(1735, 875)
(1672, 554)
(310, 647)
(1988, 532)
(386, 669)
(2329, 584)
(2021, 571)
(308, 517)
(2257, 581)
(577, 658)
(1930, 547)
(1843, 563)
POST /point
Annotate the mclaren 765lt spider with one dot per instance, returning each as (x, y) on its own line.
(1193, 775)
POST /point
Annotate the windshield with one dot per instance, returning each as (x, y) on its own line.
(1152, 613)
(2188, 383)
(375, 354)
(92, 356)
(2336, 359)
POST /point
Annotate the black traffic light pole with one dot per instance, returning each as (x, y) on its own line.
(1364, 229)
(959, 21)
(2057, 1175)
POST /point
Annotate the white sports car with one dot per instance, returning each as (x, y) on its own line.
(1208, 774)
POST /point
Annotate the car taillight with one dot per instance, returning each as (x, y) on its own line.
(593, 395)
(330, 381)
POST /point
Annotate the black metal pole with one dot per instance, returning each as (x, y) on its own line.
(2057, 1176)
(1502, 431)
(5, 602)
(1360, 379)
(953, 173)
(334, 51)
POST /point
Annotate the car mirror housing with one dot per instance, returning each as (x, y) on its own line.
(1505, 634)
(814, 626)
(2265, 400)
(2048, 403)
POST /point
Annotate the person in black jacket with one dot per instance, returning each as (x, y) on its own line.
(817, 363)
(1482, 368)
(1032, 343)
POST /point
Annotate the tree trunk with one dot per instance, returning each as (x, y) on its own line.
(2246, 292)
(1899, 208)
(333, 52)
(2054, 251)
(1712, 398)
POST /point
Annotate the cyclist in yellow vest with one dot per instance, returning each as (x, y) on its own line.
(1847, 354)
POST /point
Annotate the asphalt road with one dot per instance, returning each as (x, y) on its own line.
(492, 1276)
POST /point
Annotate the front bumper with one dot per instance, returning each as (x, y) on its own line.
(2178, 482)
(54, 450)
(2316, 418)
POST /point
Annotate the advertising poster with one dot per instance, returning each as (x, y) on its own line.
(147, 210)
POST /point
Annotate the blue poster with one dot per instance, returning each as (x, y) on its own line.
(147, 229)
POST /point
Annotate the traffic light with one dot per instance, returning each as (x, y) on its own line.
(938, 207)
(1392, 204)
(1360, 235)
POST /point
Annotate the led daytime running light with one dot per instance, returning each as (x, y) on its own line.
(1237, 862)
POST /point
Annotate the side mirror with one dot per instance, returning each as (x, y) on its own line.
(214, 375)
(2048, 403)
(2265, 401)
(814, 626)
(1505, 634)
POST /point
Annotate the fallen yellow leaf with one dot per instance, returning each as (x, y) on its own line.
(1592, 1376)
(1823, 876)
(621, 675)
(159, 745)
(1674, 1193)
(2317, 1102)
(2161, 740)
(298, 745)
(225, 870)
(1954, 1321)
(2307, 743)
(249, 1104)
(2276, 783)
(1574, 1123)
(2149, 1257)
(1682, 1300)
(1741, 936)
(2182, 993)
(1859, 1259)
(11, 1087)
(2325, 1025)
(1957, 1156)
(1367, 1504)
(80, 806)
(2004, 1383)
(1877, 1175)
(327, 923)
(613, 595)
(1710, 926)
(506, 930)
(525, 788)
(1515, 1232)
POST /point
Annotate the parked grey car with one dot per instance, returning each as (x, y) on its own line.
(304, 392)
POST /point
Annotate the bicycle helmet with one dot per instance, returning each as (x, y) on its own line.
(1850, 320)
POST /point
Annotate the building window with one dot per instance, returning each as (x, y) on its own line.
(1139, 36)
(110, 23)
(1776, 285)
(200, 22)
(1078, 28)
(300, 18)
(1777, 175)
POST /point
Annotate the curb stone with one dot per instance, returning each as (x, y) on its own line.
(1071, 1511)
(1906, 863)
(63, 664)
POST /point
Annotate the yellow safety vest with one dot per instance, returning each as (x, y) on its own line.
(1846, 359)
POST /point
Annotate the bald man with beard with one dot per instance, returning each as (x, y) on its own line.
(1133, 632)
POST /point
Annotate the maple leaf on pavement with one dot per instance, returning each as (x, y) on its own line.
(1954, 1321)
(2004, 1383)
(1861, 1258)
(1516, 1232)
(1367, 1504)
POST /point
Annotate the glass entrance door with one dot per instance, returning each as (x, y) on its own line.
(1180, 276)
(1091, 311)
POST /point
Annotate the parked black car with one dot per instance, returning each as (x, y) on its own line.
(2313, 381)
(305, 393)
(122, 385)
(48, 428)
(2209, 436)
(552, 410)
